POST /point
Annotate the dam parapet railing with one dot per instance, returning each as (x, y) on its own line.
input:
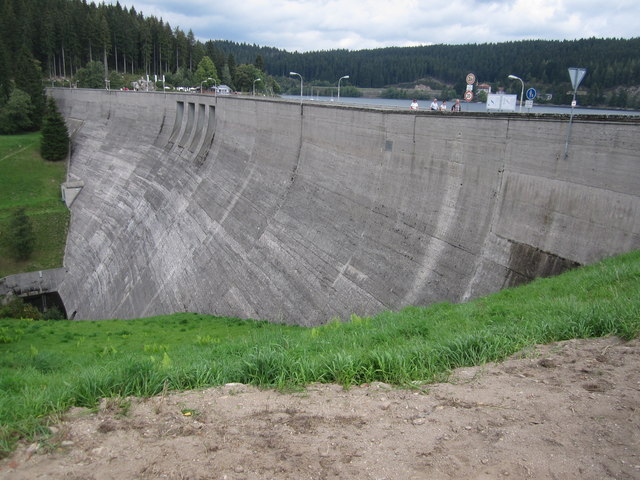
(594, 114)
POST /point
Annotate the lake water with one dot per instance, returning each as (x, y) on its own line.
(466, 107)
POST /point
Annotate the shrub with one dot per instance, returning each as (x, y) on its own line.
(16, 307)
(53, 313)
(91, 76)
(16, 115)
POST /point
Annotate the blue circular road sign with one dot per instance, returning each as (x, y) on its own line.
(531, 93)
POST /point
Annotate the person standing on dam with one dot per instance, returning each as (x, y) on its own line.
(434, 105)
(456, 107)
(414, 105)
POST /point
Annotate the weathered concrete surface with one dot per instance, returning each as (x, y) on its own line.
(266, 209)
(32, 283)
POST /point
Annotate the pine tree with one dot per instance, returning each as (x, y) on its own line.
(28, 77)
(55, 136)
(259, 63)
(231, 63)
(21, 235)
(5, 77)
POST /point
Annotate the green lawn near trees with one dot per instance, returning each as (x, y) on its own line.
(28, 181)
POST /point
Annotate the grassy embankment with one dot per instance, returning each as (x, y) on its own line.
(47, 367)
(26, 180)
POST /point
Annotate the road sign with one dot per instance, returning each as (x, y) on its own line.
(576, 75)
(531, 93)
(501, 102)
(468, 96)
(471, 79)
(528, 104)
(469, 88)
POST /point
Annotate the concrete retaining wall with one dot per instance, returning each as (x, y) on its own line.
(272, 210)
(32, 283)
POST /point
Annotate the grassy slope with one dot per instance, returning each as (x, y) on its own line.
(46, 367)
(26, 180)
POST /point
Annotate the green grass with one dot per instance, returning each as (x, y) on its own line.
(26, 180)
(47, 367)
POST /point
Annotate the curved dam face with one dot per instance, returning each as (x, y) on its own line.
(299, 213)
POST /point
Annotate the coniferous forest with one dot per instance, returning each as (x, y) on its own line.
(72, 42)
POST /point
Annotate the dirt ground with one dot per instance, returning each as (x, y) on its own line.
(569, 410)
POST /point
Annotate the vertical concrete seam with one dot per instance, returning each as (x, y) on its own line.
(497, 201)
(415, 120)
(498, 196)
(294, 172)
(157, 140)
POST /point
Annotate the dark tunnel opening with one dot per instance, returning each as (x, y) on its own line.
(44, 302)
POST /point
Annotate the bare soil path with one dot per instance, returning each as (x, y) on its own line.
(569, 410)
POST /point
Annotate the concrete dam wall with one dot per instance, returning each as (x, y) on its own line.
(298, 213)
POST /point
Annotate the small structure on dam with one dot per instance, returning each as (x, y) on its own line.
(299, 213)
(40, 288)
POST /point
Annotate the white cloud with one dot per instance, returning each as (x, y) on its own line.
(304, 25)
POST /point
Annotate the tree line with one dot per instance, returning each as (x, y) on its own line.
(72, 42)
(613, 65)
(64, 36)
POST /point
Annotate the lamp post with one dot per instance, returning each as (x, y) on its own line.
(301, 82)
(346, 76)
(513, 77)
(254, 86)
(202, 82)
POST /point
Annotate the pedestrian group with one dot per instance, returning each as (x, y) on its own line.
(456, 107)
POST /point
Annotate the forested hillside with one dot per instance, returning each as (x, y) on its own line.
(63, 36)
(610, 62)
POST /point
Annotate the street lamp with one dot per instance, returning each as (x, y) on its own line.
(513, 77)
(301, 82)
(346, 76)
(202, 82)
(254, 86)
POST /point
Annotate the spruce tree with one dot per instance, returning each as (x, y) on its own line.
(21, 236)
(5, 76)
(28, 77)
(55, 136)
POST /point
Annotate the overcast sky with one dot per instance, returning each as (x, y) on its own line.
(307, 25)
